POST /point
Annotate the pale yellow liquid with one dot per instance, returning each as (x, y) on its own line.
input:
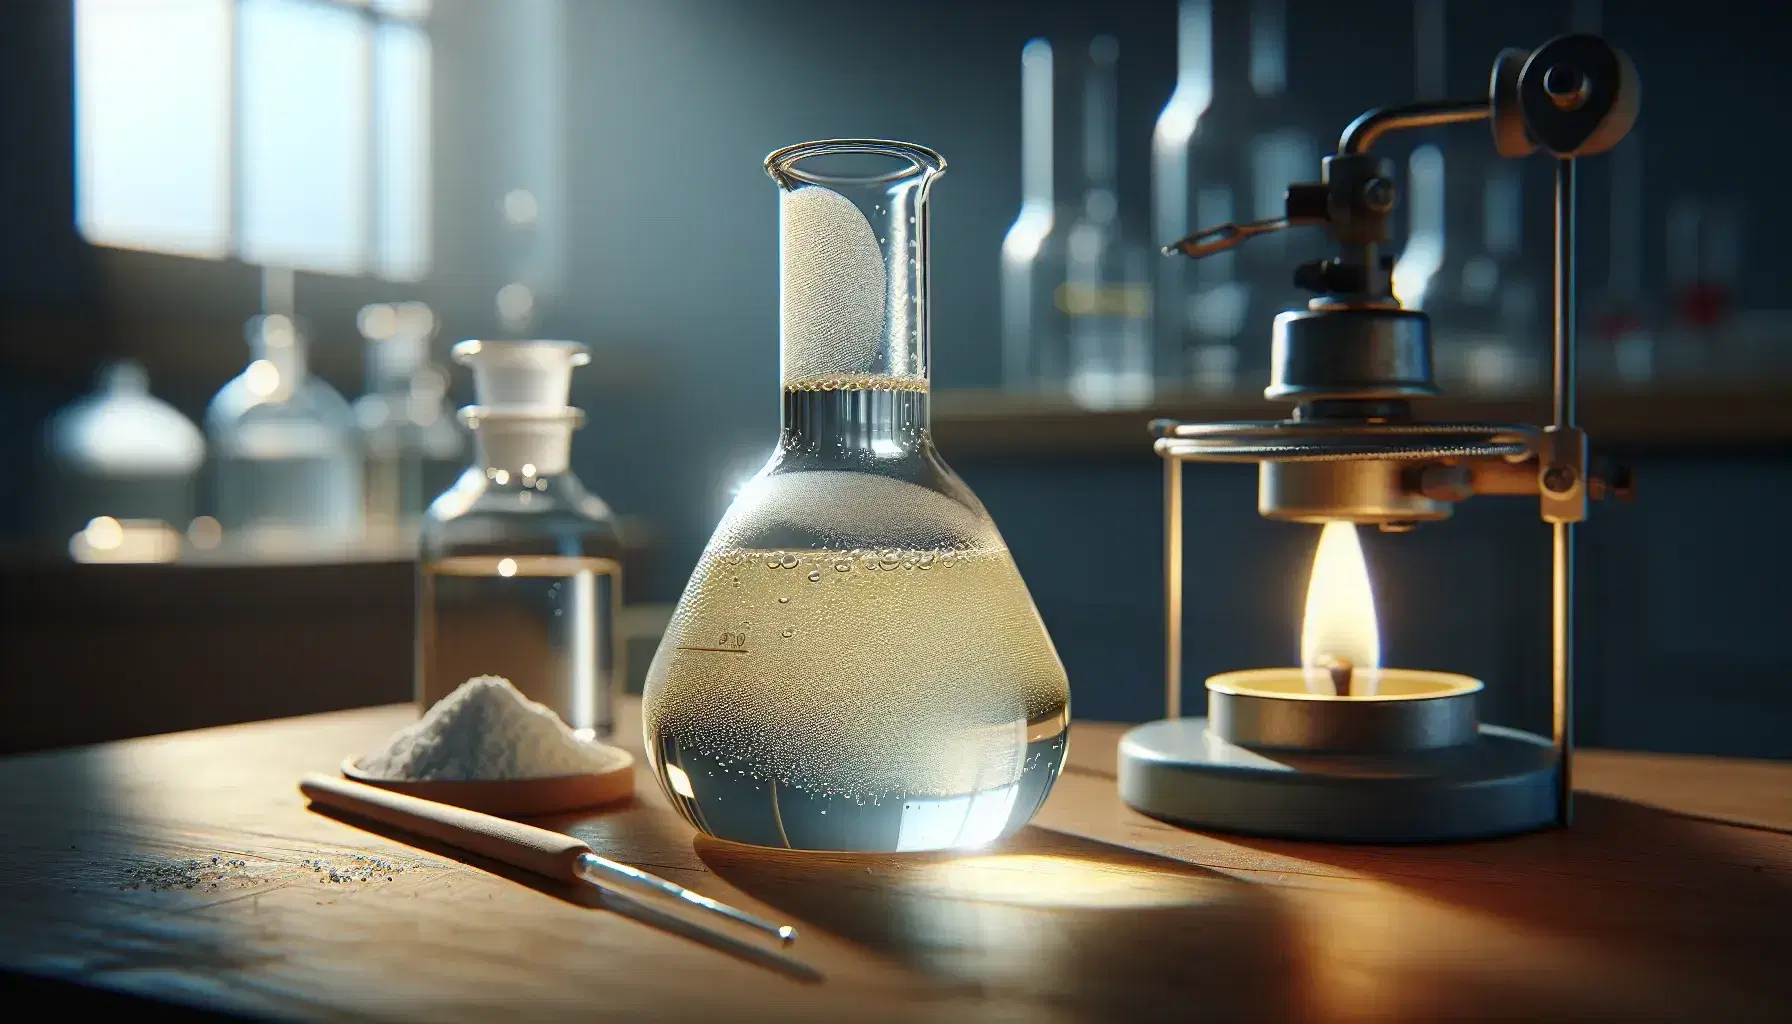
(888, 699)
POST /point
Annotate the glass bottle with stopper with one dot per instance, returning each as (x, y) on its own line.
(521, 572)
(1342, 748)
(856, 663)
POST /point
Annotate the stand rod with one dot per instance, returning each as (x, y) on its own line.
(1562, 568)
(1172, 588)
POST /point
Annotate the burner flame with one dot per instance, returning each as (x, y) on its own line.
(1340, 641)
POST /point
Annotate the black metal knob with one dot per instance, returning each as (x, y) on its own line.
(1378, 195)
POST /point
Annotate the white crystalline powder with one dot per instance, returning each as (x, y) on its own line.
(486, 731)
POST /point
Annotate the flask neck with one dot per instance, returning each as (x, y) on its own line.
(853, 247)
(879, 422)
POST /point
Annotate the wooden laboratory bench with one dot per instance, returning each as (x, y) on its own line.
(1670, 899)
(1748, 417)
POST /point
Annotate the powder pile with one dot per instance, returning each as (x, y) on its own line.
(486, 731)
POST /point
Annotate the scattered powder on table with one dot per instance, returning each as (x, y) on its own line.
(487, 731)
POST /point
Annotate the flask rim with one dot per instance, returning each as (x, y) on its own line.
(781, 164)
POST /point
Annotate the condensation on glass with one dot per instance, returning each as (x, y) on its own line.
(856, 663)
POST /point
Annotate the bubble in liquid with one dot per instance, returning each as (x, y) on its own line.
(771, 561)
(842, 566)
(890, 557)
(787, 561)
(815, 577)
(925, 561)
(789, 631)
(783, 600)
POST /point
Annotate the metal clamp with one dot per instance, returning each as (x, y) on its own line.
(1562, 479)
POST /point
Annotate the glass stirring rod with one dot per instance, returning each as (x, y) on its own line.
(599, 870)
(544, 852)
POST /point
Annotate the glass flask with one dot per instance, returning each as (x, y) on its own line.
(287, 470)
(1034, 346)
(521, 567)
(124, 460)
(1107, 291)
(856, 663)
(412, 443)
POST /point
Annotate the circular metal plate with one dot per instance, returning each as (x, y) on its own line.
(1502, 783)
(1321, 441)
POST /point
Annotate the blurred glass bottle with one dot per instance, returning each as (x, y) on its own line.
(1034, 342)
(1226, 147)
(1490, 315)
(124, 460)
(1428, 270)
(413, 446)
(1704, 265)
(1106, 295)
(521, 572)
(1624, 347)
(1198, 305)
(1443, 197)
(1282, 149)
(287, 459)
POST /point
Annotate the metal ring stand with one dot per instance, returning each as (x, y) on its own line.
(1201, 771)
